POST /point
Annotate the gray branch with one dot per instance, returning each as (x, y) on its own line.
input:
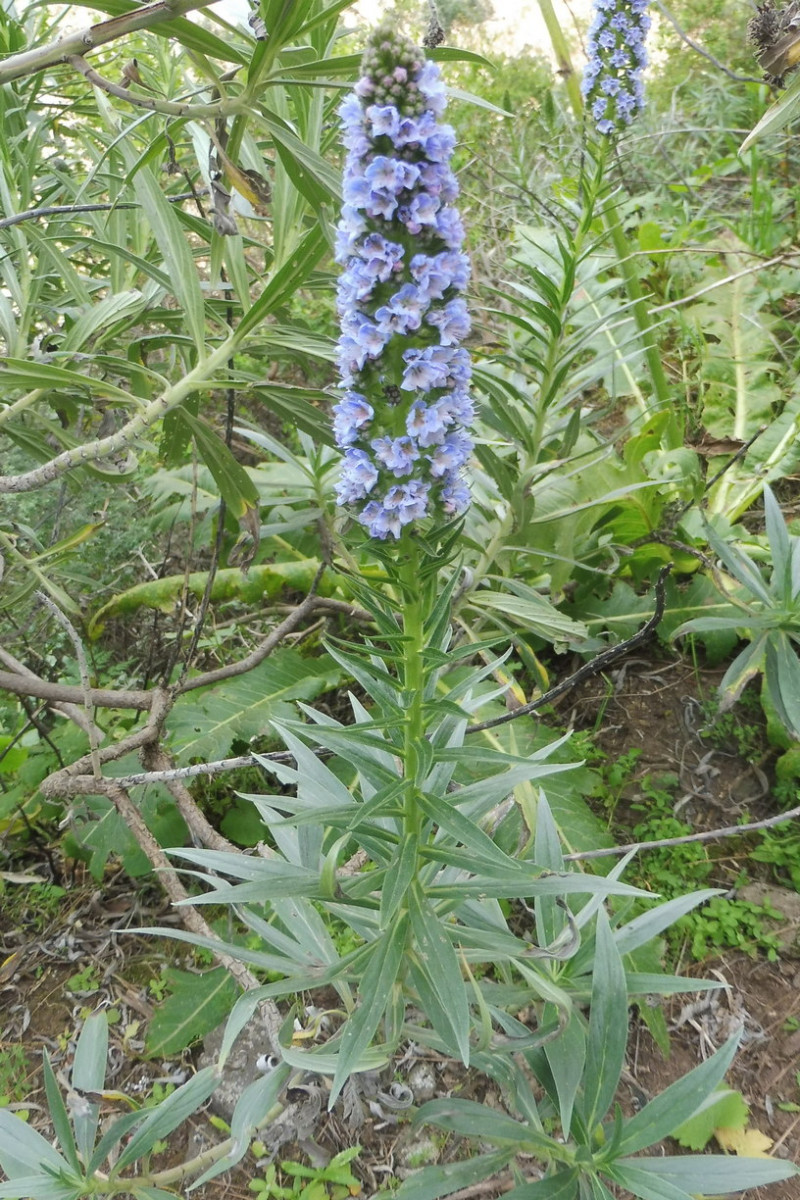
(28, 62)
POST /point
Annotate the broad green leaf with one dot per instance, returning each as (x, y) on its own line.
(386, 956)
(204, 723)
(608, 1027)
(679, 1101)
(259, 584)
(195, 1005)
(533, 613)
(724, 1108)
(168, 1115)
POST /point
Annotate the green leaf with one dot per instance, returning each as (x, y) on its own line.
(377, 983)
(714, 1174)
(168, 1115)
(645, 1186)
(783, 680)
(23, 1151)
(175, 251)
(473, 1120)
(235, 485)
(292, 275)
(608, 1027)
(775, 118)
(561, 1186)
(723, 1109)
(251, 1108)
(566, 1056)
(466, 832)
(59, 1115)
(434, 1182)
(196, 1005)
(204, 723)
(679, 1101)
(259, 584)
(399, 875)
(438, 962)
(88, 1075)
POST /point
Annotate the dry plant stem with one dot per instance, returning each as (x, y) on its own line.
(72, 782)
(29, 62)
(72, 711)
(198, 378)
(69, 210)
(83, 667)
(265, 648)
(170, 108)
(199, 827)
(189, 915)
(704, 53)
(599, 663)
(22, 683)
(709, 835)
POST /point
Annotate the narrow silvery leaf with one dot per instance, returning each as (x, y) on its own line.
(88, 1075)
(677, 1103)
(608, 1028)
(168, 1115)
(715, 1174)
(386, 956)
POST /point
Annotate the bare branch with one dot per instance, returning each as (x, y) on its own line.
(710, 835)
(190, 917)
(83, 668)
(171, 108)
(199, 377)
(264, 649)
(599, 663)
(68, 210)
(28, 62)
(699, 49)
(72, 711)
(22, 683)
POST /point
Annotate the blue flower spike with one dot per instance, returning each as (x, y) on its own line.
(406, 406)
(612, 82)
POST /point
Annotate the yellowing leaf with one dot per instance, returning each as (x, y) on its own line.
(748, 1143)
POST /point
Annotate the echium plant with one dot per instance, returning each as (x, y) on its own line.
(612, 81)
(402, 420)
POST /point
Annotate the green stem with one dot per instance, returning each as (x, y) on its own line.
(633, 287)
(413, 668)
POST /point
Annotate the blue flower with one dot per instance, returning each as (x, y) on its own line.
(402, 420)
(612, 85)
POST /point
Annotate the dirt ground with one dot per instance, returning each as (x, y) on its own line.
(53, 973)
